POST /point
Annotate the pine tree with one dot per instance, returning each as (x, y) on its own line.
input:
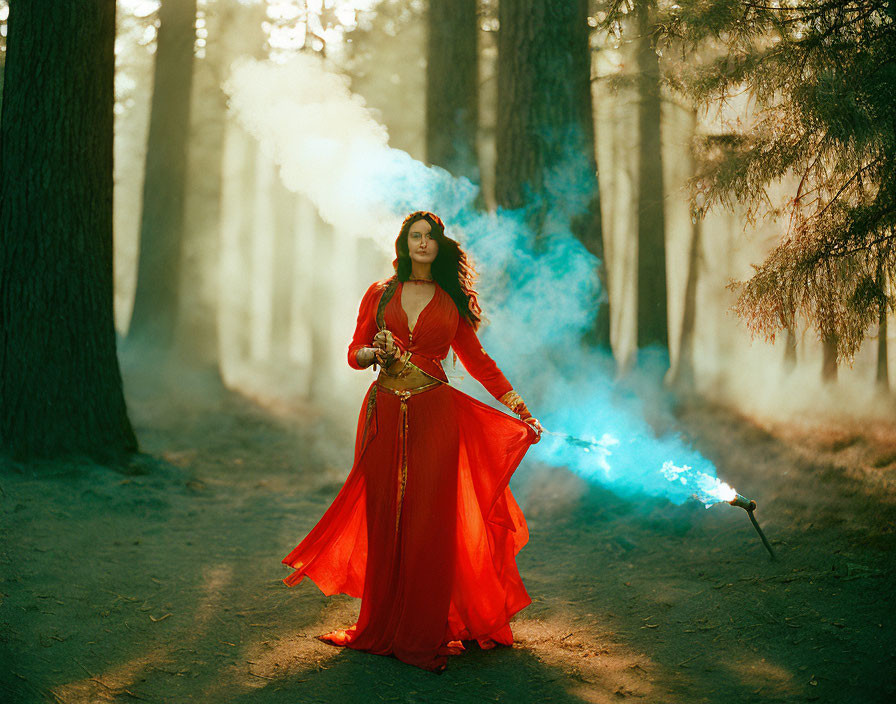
(196, 330)
(821, 75)
(60, 385)
(164, 192)
(545, 114)
(639, 22)
(653, 323)
(452, 86)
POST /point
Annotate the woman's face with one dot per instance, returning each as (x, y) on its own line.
(422, 246)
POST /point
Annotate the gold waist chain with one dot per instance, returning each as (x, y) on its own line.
(408, 382)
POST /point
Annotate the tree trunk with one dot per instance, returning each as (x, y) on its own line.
(242, 311)
(322, 354)
(829, 359)
(237, 225)
(790, 350)
(60, 385)
(883, 373)
(539, 121)
(284, 279)
(452, 87)
(588, 227)
(652, 313)
(164, 190)
(684, 377)
(545, 119)
(196, 336)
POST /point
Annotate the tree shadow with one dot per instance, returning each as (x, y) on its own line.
(631, 599)
(501, 674)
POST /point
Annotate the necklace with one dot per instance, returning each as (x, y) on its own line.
(416, 280)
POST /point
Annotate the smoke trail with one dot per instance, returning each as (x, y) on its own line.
(538, 303)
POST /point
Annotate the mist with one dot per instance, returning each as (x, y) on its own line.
(537, 301)
(314, 190)
(197, 193)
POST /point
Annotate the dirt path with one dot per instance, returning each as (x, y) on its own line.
(163, 584)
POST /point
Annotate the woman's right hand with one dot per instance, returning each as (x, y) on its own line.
(384, 342)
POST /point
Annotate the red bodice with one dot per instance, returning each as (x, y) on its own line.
(438, 328)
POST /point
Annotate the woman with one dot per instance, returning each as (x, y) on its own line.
(425, 530)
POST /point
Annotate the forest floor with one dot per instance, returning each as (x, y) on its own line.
(162, 582)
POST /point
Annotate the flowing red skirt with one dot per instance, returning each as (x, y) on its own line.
(442, 569)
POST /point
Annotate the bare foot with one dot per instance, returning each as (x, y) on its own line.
(338, 637)
(452, 647)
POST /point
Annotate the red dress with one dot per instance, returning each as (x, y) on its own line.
(429, 550)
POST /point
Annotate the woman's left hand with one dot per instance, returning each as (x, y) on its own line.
(533, 423)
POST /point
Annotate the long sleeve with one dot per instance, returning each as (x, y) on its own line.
(365, 328)
(476, 360)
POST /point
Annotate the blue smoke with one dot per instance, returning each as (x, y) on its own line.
(539, 302)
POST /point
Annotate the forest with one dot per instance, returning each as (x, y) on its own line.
(682, 218)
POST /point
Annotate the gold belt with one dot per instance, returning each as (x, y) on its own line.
(402, 375)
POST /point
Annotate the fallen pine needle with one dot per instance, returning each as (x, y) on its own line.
(100, 682)
(264, 677)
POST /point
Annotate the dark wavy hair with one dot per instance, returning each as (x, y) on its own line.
(452, 269)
